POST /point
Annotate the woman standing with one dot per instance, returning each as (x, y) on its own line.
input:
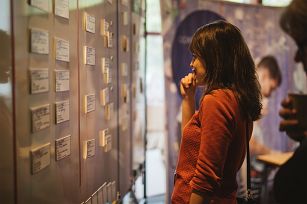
(213, 142)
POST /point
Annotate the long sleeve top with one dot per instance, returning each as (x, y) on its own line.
(212, 150)
(290, 182)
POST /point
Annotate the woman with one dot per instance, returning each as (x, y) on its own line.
(213, 144)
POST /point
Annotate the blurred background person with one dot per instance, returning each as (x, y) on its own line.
(269, 76)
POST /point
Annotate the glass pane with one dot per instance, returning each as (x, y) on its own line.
(155, 71)
(153, 16)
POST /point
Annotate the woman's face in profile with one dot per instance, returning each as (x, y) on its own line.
(199, 70)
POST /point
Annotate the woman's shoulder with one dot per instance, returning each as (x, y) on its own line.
(219, 95)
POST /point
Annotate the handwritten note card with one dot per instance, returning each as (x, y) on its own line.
(40, 158)
(39, 41)
(62, 147)
(62, 111)
(61, 49)
(40, 117)
(89, 22)
(39, 80)
(61, 8)
(61, 80)
(89, 55)
(89, 103)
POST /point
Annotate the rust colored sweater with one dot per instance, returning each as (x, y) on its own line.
(212, 150)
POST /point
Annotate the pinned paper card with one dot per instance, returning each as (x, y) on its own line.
(107, 76)
(39, 41)
(125, 2)
(61, 49)
(89, 22)
(90, 148)
(105, 63)
(124, 44)
(110, 39)
(62, 147)
(102, 137)
(40, 158)
(124, 69)
(61, 80)
(61, 111)
(125, 18)
(41, 4)
(104, 26)
(89, 103)
(61, 8)
(40, 117)
(89, 55)
(108, 111)
(104, 96)
(39, 80)
(124, 93)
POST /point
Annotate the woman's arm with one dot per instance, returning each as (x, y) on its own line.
(197, 199)
(187, 90)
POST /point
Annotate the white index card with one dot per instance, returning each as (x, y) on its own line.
(40, 158)
(61, 80)
(61, 49)
(89, 103)
(109, 39)
(41, 4)
(62, 147)
(61, 8)
(102, 137)
(124, 69)
(104, 27)
(125, 43)
(125, 18)
(61, 111)
(89, 55)
(39, 41)
(90, 148)
(39, 80)
(125, 2)
(89, 22)
(108, 111)
(40, 117)
(104, 96)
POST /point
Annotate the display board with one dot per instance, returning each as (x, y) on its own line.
(74, 100)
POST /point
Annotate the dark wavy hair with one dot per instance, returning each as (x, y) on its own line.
(229, 64)
(294, 21)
